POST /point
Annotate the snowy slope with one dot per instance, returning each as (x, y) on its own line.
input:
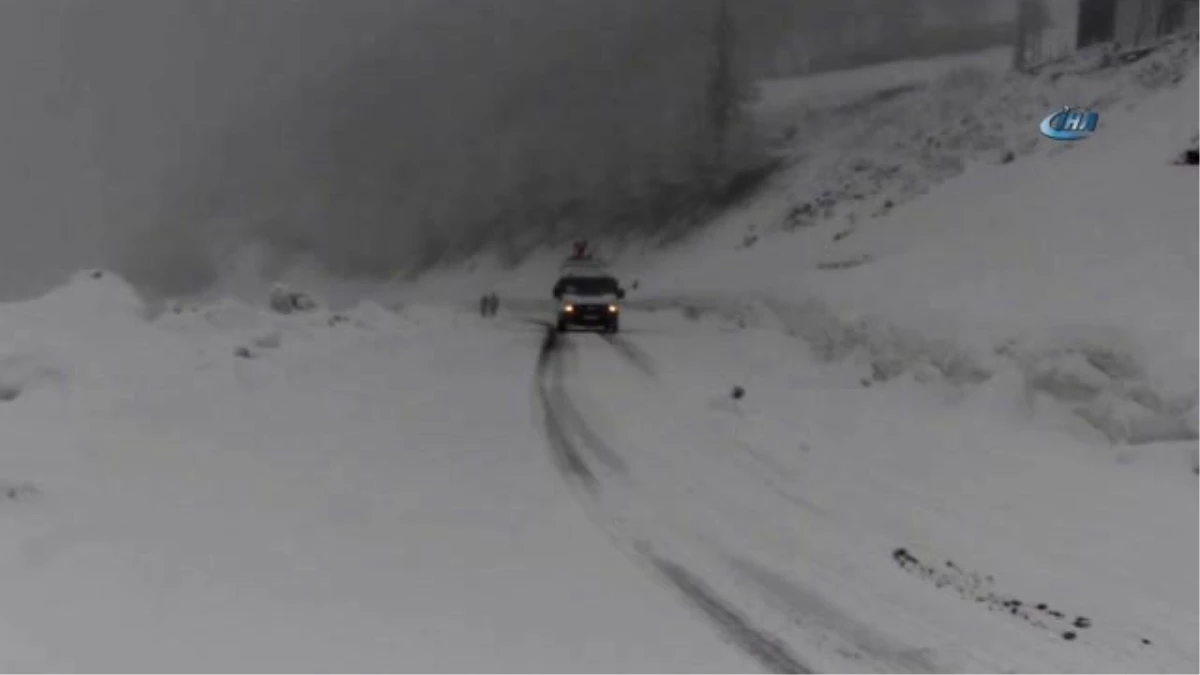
(998, 338)
(875, 529)
(779, 101)
(930, 470)
(1068, 253)
(855, 158)
(1011, 398)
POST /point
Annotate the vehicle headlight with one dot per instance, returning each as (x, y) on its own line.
(568, 308)
(612, 309)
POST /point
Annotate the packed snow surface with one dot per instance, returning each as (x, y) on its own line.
(354, 492)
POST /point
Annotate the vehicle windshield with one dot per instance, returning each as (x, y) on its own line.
(588, 285)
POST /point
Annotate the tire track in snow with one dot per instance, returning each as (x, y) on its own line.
(632, 353)
(767, 650)
(561, 418)
(568, 459)
(861, 641)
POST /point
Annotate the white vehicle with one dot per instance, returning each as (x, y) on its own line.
(588, 300)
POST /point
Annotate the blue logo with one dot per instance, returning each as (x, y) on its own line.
(1070, 124)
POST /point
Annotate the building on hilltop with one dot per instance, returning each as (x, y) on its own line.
(1131, 23)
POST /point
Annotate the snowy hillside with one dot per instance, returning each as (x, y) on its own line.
(964, 437)
(1075, 263)
(779, 102)
(880, 139)
(1051, 299)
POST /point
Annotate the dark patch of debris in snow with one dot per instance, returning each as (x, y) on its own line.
(17, 491)
(817, 209)
(1191, 155)
(979, 589)
(846, 264)
(284, 300)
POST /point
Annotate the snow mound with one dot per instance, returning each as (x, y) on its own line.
(89, 298)
(1106, 386)
(887, 349)
(89, 342)
(1093, 377)
(1098, 380)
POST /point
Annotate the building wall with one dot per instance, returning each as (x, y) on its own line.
(1191, 15)
(1094, 21)
(1130, 23)
(1137, 21)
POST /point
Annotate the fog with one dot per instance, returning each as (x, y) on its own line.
(378, 136)
(104, 100)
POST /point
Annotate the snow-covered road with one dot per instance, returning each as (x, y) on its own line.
(585, 458)
(823, 525)
(388, 490)
(371, 495)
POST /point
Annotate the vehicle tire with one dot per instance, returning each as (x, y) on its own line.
(614, 326)
(562, 326)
